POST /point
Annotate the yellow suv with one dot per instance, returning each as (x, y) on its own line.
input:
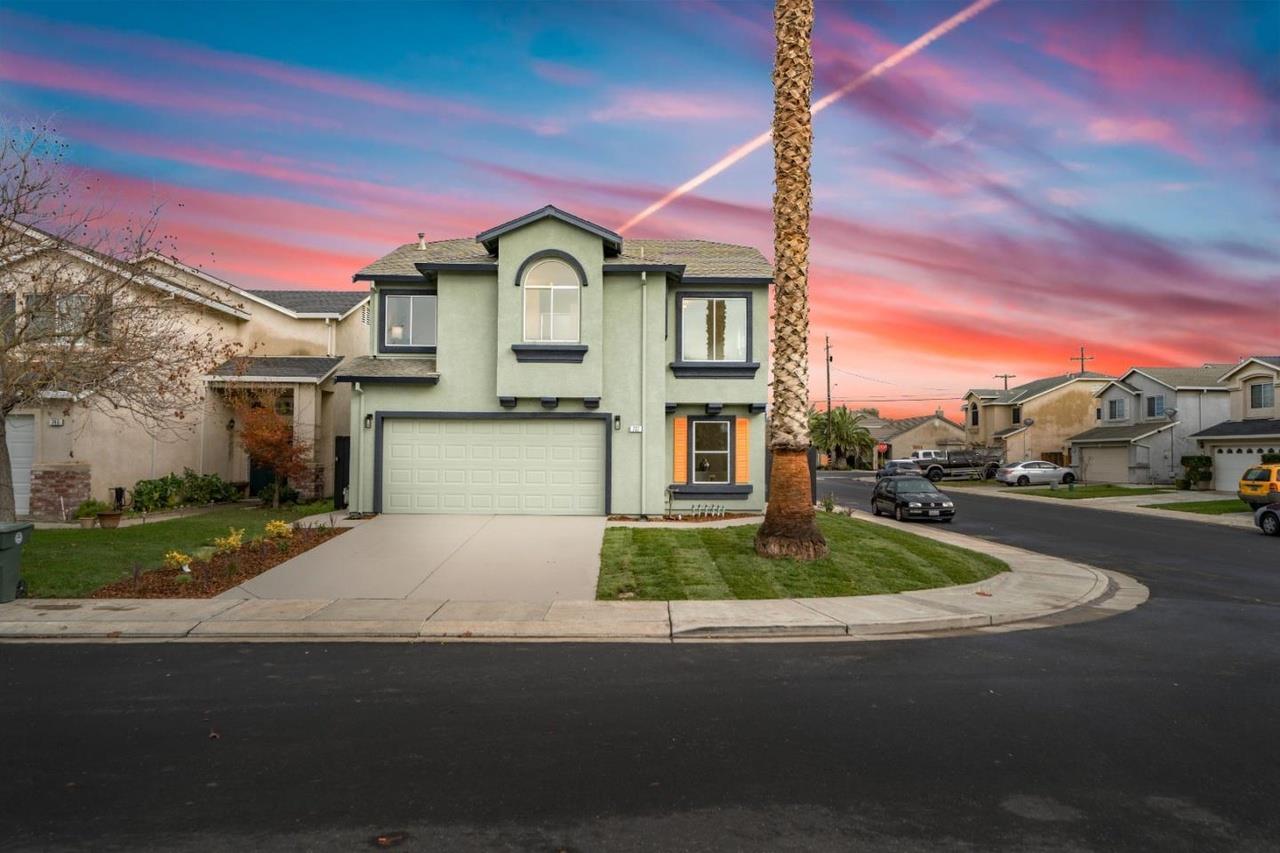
(1260, 486)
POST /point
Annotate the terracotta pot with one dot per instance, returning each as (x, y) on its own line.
(109, 520)
(88, 521)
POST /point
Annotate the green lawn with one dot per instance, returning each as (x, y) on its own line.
(1223, 507)
(72, 563)
(1101, 490)
(662, 564)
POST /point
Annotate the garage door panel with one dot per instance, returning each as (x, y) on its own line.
(1230, 463)
(494, 466)
(1106, 464)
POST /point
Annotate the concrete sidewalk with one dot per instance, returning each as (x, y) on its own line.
(1038, 591)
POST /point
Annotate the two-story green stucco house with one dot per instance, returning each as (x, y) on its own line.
(547, 366)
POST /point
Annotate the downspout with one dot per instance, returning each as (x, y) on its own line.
(355, 461)
(644, 388)
(331, 342)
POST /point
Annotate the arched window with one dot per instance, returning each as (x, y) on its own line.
(552, 303)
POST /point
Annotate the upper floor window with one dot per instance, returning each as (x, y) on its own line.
(408, 322)
(1017, 414)
(713, 328)
(973, 415)
(1115, 410)
(1262, 395)
(552, 303)
(1155, 406)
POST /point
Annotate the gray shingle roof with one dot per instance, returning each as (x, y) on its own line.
(368, 368)
(901, 425)
(1124, 433)
(1025, 391)
(1008, 431)
(700, 258)
(1243, 429)
(1187, 377)
(314, 301)
(278, 366)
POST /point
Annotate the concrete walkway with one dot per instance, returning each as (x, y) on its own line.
(1039, 591)
(442, 557)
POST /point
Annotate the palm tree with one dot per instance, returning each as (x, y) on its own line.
(838, 433)
(790, 529)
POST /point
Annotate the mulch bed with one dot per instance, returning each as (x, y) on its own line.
(220, 572)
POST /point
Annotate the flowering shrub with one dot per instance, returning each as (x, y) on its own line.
(231, 542)
(278, 529)
(176, 560)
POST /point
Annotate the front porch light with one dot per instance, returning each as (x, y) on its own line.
(368, 421)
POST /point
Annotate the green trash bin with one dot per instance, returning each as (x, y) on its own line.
(12, 538)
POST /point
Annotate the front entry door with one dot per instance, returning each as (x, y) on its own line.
(341, 470)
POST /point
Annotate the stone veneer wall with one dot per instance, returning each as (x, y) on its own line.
(311, 486)
(58, 488)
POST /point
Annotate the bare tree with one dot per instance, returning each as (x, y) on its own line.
(81, 323)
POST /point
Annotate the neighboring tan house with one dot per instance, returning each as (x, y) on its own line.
(1035, 420)
(1145, 420)
(923, 432)
(65, 452)
(1254, 426)
(548, 367)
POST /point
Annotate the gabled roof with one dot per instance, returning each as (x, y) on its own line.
(1008, 431)
(1128, 433)
(1184, 378)
(1258, 427)
(489, 238)
(276, 368)
(1028, 390)
(1118, 383)
(1267, 360)
(315, 303)
(900, 425)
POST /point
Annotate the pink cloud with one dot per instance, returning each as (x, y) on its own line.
(629, 105)
(563, 73)
(1150, 131)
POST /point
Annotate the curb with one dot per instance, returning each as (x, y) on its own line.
(1038, 591)
(1242, 521)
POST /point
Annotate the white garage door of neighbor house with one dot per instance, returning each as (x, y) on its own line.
(20, 436)
(1229, 465)
(1106, 465)
(503, 466)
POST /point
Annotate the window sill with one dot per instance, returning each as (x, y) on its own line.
(394, 350)
(550, 353)
(715, 369)
(723, 491)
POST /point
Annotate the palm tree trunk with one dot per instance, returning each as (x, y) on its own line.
(790, 529)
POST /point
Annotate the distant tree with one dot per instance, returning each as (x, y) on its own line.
(268, 437)
(80, 323)
(839, 433)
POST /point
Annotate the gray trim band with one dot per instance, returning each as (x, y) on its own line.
(550, 353)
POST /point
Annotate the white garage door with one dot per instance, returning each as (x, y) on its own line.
(1106, 465)
(20, 436)
(1230, 463)
(507, 466)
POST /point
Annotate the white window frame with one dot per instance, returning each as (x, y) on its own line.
(1116, 409)
(408, 345)
(1155, 406)
(746, 330)
(694, 451)
(575, 289)
(1263, 387)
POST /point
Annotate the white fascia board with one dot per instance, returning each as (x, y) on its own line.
(1248, 361)
(263, 380)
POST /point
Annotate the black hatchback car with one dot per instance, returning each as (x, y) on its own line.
(911, 498)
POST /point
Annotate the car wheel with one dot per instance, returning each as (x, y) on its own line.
(1068, 478)
(934, 475)
(875, 508)
(1024, 480)
(898, 514)
(1270, 524)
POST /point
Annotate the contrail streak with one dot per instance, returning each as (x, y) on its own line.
(819, 105)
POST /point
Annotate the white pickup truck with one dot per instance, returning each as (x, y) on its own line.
(923, 455)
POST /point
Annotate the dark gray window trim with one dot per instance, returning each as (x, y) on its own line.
(713, 369)
(549, 402)
(388, 278)
(430, 268)
(726, 491)
(550, 353)
(605, 418)
(382, 320)
(670, 269)
(721, 489)
(591, 402)
(739, 280)
(555, 254)
(388, 380)
(507, 402)
(756, 408)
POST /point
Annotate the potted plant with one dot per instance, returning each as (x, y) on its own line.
(109, 517)
(87, 512)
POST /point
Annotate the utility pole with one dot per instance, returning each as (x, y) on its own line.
(1006, 377)
(1082, 358)
(827, 338)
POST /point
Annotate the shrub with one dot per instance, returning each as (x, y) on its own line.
(288, 495)
(231, 542)
(90, 508)
(176, 489)
(176, 560)
(205, 488)
(278, 529)
(1199, 468)
(1271, 459)
(828, 503)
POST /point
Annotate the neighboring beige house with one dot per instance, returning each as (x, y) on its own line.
(1254, 427)
(65, 452)
(1035, 420)
(1144, 423)
(923, 432)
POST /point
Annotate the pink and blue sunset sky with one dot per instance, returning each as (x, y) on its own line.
(1045, 176)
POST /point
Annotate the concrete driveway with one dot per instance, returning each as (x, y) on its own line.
(468, 557)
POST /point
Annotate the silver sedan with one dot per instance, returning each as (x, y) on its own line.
(1033, 471)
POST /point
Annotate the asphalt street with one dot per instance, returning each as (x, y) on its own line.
(1154, 730)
